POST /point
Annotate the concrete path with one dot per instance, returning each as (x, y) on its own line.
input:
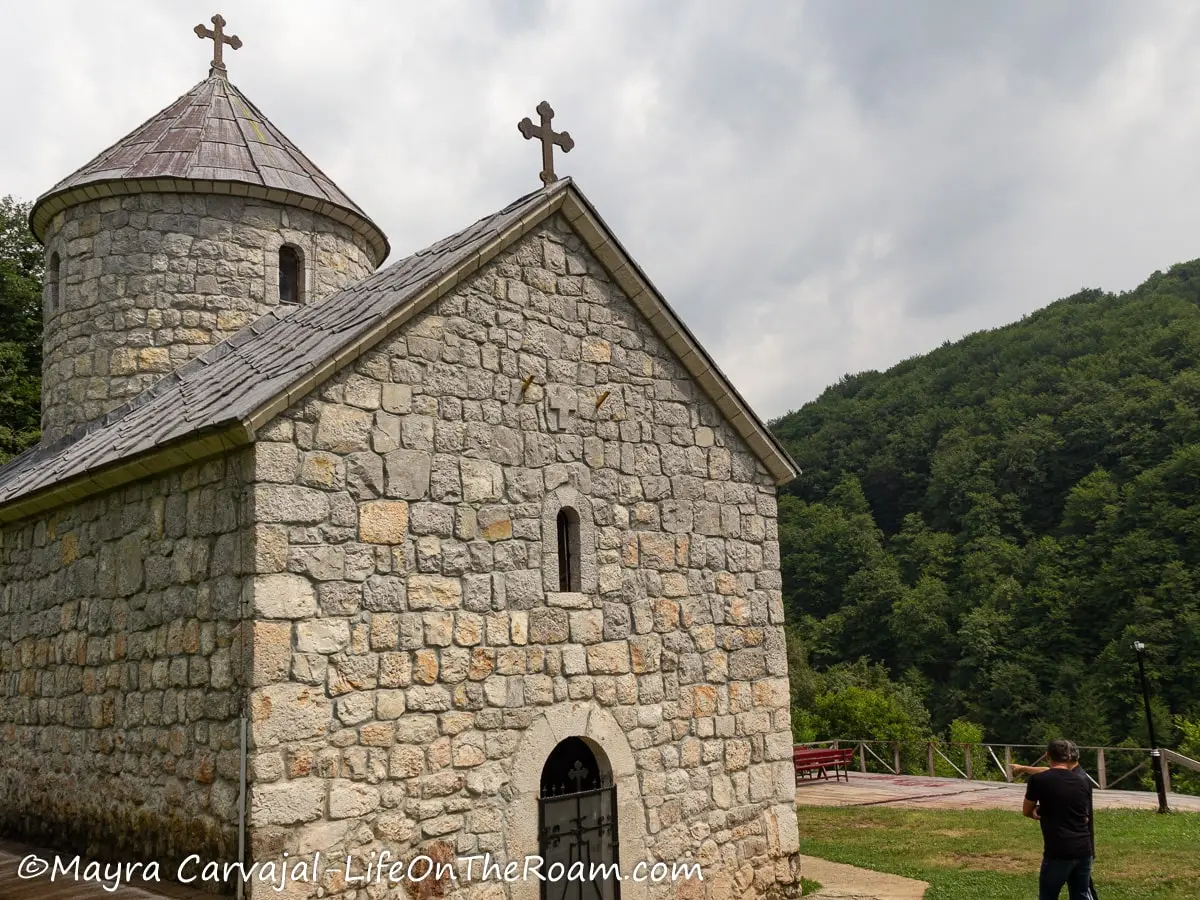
(920, 792)
(852, 883)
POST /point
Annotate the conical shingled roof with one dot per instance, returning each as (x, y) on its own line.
(210, 140)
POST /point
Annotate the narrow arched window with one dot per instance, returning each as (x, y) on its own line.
(568, 549)
(53, 279)
(291, 275)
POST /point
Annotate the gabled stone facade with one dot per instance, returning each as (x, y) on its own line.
(414, 662)
(374, 585)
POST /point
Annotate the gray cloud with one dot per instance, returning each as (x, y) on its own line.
(817, 188)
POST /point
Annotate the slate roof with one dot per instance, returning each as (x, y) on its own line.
(216, 401)
(210, 140)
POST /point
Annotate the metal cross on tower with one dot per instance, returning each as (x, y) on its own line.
(549, 138)
(219, 39)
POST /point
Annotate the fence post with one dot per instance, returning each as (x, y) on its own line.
(929, 755)
(1008, 775)
(967, 758)
(1166, 776)
(896, 757)
(1101, 771)
(862, 757)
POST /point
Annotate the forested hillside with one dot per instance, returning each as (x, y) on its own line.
(996, 522)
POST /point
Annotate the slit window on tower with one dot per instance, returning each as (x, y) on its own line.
(52, 284)
(291, 275)
(568, 549)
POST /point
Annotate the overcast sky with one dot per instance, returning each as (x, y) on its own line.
(817, 188)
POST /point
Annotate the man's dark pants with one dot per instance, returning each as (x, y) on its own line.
(1076, 874)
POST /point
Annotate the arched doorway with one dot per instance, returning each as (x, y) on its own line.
(577, 824)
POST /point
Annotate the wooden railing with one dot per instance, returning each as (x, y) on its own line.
(992, 761)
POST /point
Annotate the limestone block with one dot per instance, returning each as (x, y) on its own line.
(275, 461)
(321, 469)
(407, 474)
(432, 518)
(290, 504)
(288, 712)
(434, 592)
(343, 429)
(364, 476)
(611, 658)
(523, 588)
(596, 350)
(272, 651)
(324, 636)
(548, 626)
(494, 523)
(283, 596)
(587, 626)
(389, 704)
(482, 480)
(656, 550)
(397, 398)
(349, 799)
(287, 802)
(383, 521)
(353, 709)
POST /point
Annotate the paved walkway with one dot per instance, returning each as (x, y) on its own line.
(920, 792)
(852, 883)
(13, 887)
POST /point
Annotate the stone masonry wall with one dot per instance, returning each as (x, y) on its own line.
(148, 282)
(119, 669)
(414, 662)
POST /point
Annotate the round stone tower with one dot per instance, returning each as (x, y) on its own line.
(175, 238)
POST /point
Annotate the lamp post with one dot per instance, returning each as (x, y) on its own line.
(1155, 754)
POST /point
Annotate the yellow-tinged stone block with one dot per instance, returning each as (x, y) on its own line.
(123, 361)
(154, 359)
(596, 350)
(383, 521)
(434, 592)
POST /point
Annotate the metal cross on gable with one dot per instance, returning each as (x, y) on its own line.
(219, 39)
(549, 138)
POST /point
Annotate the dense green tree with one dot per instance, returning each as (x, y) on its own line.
(20, 329)
(998, 520)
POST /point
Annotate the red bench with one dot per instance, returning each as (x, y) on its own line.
(818, 762)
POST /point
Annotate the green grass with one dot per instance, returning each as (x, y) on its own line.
(808, 886)
(992, 854)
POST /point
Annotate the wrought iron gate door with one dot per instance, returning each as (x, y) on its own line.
(580, 827)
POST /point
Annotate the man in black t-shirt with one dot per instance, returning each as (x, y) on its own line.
(1060, 798)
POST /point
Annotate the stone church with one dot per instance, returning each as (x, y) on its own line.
(474, 554)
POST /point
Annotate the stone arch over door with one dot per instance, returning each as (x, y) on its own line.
(597, 727)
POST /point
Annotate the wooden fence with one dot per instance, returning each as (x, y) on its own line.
(993, 761)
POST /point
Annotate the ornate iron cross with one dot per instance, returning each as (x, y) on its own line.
(549, 138)
(219, 39)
